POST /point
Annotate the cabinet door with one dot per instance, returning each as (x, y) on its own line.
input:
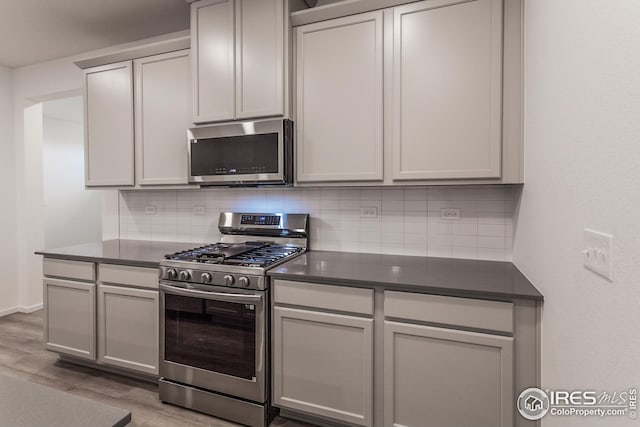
(259, 58)
(69, 320)
(163, 113)
(212, 50)
(108, 112)
(339, 99)
(323, 364)
(446, 378)
(447, 89)
(128, 328)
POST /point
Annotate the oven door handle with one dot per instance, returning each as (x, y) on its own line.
(217, 296)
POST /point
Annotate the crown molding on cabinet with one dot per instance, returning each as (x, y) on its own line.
(340, 9)
(125, 52)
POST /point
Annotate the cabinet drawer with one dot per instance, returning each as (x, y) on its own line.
(337, 298)
(68, 269)
(467, 312)
(128, 275)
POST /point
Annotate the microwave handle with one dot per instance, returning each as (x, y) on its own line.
(210, 295)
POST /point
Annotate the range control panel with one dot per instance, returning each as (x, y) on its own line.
(259, 220)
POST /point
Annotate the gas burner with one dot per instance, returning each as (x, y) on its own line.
(247, 254)
(263, 256)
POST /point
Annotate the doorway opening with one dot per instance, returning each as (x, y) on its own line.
(72, 213)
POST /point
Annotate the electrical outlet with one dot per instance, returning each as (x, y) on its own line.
(368, 212)
(198, 210)
(450, 214)
(150, 210)
(597, 253)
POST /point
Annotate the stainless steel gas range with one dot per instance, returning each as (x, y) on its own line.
(215, 316)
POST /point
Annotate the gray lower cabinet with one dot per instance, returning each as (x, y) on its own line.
(70, 313)
(446, 378)
(128, 328)
(323, 351)
(105, 313)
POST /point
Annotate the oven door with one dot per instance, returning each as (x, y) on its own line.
(214, 338)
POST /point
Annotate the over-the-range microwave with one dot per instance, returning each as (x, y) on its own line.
(245, 153)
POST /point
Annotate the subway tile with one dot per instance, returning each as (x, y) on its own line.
(491, 242)
(408, 218)
(464, 252)
(492, 254)
(464, 241)
(371, 195)
(497, 230)
(419, 194)
(415, 206)
(461, 229)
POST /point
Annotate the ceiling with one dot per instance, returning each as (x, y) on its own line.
(33, 31)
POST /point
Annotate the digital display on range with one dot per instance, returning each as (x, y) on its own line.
(259, 220)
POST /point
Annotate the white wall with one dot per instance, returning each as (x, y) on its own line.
(582, 159)
(408, 219)
(72, 214)
(8, 290)
(33, 84)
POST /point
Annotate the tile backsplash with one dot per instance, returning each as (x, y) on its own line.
(408, 219)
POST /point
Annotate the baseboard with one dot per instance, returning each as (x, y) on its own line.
(21, 309)
(30, 309)
(8, 311)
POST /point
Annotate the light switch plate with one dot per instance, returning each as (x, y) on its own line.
(597, 253)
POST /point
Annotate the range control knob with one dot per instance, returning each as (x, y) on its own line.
(205, 277)
(243, 281)
(184, 275)
(172, 273)
(229, 280)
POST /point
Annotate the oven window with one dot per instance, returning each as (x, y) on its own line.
(212, 335)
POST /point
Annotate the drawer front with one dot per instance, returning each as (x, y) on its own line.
(466, 312)
(128, 275)
(328, 297)
(69, 269)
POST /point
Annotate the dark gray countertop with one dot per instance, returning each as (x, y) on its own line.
(142, 253)
(445, 276)
(26, 404)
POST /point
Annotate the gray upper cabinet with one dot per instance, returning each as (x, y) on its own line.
(157, 135)
(426, 92)
(238, 59)
(339, 111)
(109, 125)
(447, 89)
(163, 113)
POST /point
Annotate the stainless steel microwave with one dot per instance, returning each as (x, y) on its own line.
(247, 153)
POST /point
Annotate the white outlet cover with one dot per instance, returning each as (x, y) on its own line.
(450, 214)
(368, 212)
(198, 210)
(150, 210)
(597, 253)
